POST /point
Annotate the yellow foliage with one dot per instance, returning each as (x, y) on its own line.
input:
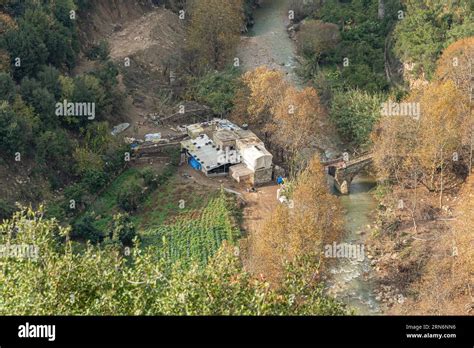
(314, 219)
(456, 62)
(6, 23)
(87, 160)
(446, 287)
(290, 118)
(403, 145)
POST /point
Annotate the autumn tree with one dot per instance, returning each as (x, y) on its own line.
(214, 30)
(395, 142)
(6, 23)
(457, 64)
(431, 147)
(310, 221)
(288, 118)
(297, 120)
(263, 89)
(445, 287)
(440, 137)
(257, 98)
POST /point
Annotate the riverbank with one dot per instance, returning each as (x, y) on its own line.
(268, 44)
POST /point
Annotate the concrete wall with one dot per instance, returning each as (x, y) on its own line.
(263, 176)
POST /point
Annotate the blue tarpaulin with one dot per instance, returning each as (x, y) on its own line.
(193, 163)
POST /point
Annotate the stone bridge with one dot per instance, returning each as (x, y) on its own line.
(344, 171)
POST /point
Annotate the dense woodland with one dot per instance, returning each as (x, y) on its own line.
(355, 56)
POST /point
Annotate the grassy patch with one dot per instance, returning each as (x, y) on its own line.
(106, 205)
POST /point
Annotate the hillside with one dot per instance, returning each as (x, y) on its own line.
(232, 157)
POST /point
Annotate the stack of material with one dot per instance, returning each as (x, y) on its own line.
(153, 138)
(119, 128)
(194, 130)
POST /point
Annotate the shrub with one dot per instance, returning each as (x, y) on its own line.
(217, 90)
(84, 228)
(7, 87)
(150, 178)
(302, 8)
(99, 51)
(94, 180)
(6, 209)
(75, 192)
(55, 210)
(129, 198)
(354, 113)
(123, 229)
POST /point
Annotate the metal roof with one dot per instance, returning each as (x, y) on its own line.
(205, 151)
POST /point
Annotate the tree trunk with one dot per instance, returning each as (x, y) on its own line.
(442, 183)
(381, 9)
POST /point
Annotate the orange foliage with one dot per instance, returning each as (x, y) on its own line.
(303, 228)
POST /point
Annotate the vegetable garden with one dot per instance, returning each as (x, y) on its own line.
(199, 238)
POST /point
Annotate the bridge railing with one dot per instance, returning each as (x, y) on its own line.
(340, 160)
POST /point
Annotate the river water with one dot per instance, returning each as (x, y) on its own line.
(267, 43)
(352, 279)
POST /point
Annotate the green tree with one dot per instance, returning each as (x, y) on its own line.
(99, 281)
(123, 229)
(217, 90)
(6, 209)
(214, 30)
(54, 150)
(129, 198)
(41, 100)
(428, 27)
(7, 87)
(48, 77)
(26, 45)
(85, 229)
(355, 112)
(88, 89)
(15, 131)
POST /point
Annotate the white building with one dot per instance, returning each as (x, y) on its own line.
(219, 147)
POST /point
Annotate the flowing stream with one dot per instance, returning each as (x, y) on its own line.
(352, 279)
(267, 43)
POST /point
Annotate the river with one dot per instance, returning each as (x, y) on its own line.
(352, 280)
(267, 43)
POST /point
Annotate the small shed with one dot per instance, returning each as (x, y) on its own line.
(256, 157)
(242, 174)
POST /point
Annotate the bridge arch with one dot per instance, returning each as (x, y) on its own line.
(344, 172)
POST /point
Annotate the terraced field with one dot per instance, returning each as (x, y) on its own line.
(198, 238)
